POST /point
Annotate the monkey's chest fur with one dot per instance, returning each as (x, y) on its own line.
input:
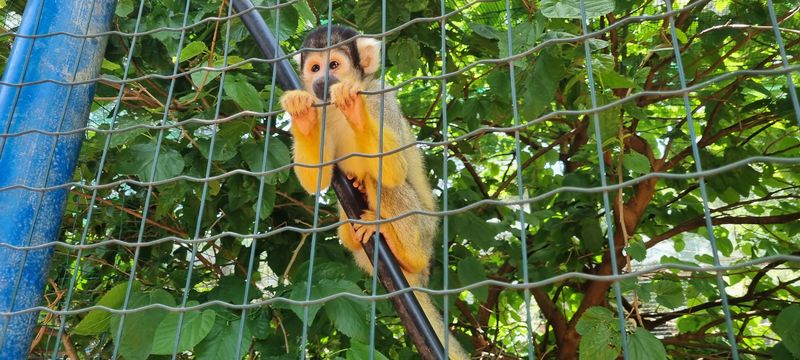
(347, 143)
(402, 173)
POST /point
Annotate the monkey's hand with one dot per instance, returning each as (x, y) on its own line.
(345, 97)
(299, 105)
(410, 260)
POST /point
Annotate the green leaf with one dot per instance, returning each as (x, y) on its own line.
(277, 155)
(231, 289)
(127, 136)
(196, 326)
(591, 234)
(135, 342)
(597, 44)
(224, 149)
(203, 77)
(596, 317)
(636, 249)
(635, 162)
(232, 60)
(682, 38)
(786, 326)
(472, 228)
(780, 352)
(404, 54)
(110, 66)
(487, 31)
(542, 83)
(243, 93)
(669, 293)
(360, 351)
(96, 321)
(267, 202)
(609, 119)
(349, 316)
(241, 190)
(222, 341)
(471, 271)
(124, 8)
(416, 5)
(368, 15)
(570, 9)
(299, 293)
(193, 49)
(600, 336)
(724, 244)
(524, 36)
(642, 345)
(613, 80)
(138, 160)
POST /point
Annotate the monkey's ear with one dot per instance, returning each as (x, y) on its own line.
(297, 57)
(369, 50)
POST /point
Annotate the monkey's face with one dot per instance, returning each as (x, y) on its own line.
(353, 62)
(340, 67)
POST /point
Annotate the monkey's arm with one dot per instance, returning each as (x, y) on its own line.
(306, 131)
(364, 117)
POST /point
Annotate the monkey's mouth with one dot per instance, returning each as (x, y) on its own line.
(319, 86)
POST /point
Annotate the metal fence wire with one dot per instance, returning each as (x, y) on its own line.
(553, 130)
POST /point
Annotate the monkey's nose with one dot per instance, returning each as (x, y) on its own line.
(319, 86)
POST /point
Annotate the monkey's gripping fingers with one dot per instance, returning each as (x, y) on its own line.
(358, 184)
(365, 231)
(300, 106)
(345, 97)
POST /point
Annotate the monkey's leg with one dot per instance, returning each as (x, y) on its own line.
(352, 240)
(367, 131)
(306, 130)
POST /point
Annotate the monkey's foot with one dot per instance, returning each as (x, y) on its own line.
(363, 232)
(345, 97)
(300, 106)
(357, 183)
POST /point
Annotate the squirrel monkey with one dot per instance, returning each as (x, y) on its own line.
(352, 126)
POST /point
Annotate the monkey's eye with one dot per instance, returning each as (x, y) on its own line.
(314, 68)
(334, 65)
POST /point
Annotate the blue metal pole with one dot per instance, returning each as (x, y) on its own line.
(30, 217)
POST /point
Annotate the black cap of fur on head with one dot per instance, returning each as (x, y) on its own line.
(318, 39)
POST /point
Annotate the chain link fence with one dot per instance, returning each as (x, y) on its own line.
(553, 131)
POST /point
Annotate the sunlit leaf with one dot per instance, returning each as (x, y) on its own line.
(642, 345)
(571, 8)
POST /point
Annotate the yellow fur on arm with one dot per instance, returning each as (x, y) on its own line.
(394, 165)
(306, 151)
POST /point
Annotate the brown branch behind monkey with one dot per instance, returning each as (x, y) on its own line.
(352, 126)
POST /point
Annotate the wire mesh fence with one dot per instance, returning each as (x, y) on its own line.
(553, 131)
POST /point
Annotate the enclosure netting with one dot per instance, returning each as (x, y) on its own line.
(547, 125)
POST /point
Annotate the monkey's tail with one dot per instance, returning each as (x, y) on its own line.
(435, 318)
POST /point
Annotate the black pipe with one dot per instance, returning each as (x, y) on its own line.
(353, 203)
(287, 78)
(389, 273)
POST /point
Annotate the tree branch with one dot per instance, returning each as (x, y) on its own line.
(700, 221)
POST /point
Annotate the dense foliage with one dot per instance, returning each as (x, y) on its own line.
(215, 126)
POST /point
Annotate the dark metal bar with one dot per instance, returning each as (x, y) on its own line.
(353, 203)
(262, 35)
(390, 275)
